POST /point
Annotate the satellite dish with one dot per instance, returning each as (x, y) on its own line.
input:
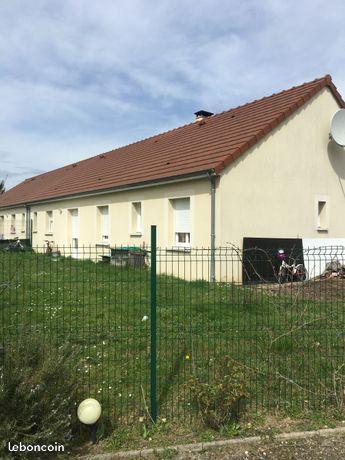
(338, 127)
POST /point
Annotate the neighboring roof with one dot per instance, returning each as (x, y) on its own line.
(188, 150)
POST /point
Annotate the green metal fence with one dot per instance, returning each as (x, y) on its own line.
(143, 321)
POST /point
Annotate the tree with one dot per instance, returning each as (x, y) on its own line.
(2, 186)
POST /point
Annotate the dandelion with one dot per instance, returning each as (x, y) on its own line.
(187, 357)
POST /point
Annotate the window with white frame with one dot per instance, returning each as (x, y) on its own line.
(34, 222)
(13, 223)
(49, 222)
(136, 217)
(322, 215)
(104, 223)
(2, 227)
(23, 223)
(182, 221)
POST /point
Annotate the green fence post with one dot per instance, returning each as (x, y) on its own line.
(153, 394)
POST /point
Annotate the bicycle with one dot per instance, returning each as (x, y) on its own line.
(290, 272)
(50, 249)
(15, 246)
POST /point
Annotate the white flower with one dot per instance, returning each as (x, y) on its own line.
(145, 318)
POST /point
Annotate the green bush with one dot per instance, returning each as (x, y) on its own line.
(219, 400)
(38, 394)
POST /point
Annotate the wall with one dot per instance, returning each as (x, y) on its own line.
(7, 231)
(156, 209)
(272, 190)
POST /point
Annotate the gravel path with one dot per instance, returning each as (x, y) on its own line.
(317, 448)
(325, 444)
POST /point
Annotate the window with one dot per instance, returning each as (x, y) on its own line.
(2, 227)
(104, 223)
(136, 218)
(181, 209)
(182, 238)
(34, 222)
(23, 223)
(49, 222)
(322, 217)
(13, 223)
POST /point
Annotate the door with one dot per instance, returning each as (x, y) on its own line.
(74, 232)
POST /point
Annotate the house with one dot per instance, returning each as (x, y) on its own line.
(265, 169)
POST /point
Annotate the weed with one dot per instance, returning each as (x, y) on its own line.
(219, 402)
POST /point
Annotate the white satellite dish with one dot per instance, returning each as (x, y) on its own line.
(338, 127)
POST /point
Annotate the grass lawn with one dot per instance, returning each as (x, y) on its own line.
(291, 344)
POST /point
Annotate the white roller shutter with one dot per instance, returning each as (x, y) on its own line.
(105, 221)
(182, 215)
(74, 223)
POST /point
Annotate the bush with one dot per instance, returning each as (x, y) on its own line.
(38, 394)
(219, 401)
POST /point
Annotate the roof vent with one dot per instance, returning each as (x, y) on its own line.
(200, 116)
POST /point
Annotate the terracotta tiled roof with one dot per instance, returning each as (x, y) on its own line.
(184, 151)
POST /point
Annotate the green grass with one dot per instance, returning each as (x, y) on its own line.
(290, 348)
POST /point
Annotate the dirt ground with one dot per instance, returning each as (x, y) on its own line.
(327, 289)
(316, 448)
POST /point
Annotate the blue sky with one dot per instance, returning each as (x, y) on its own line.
(79, 77)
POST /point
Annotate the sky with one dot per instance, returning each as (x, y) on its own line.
(81, 77)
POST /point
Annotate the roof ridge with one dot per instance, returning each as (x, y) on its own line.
(275, 94)
(169, 131)
(327, 79)
(230, 133)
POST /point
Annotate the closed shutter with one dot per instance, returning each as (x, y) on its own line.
(105, 221)
(75, 223)
(182, 215)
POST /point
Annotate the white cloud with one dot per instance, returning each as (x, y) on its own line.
(79, 77)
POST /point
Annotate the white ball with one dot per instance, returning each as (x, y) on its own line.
(89, 411)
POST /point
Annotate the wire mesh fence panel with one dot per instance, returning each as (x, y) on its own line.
(287, 333)
(97, 306)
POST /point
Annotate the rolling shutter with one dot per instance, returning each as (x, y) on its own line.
(182, 215)
(74, 223)
(105, 220)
